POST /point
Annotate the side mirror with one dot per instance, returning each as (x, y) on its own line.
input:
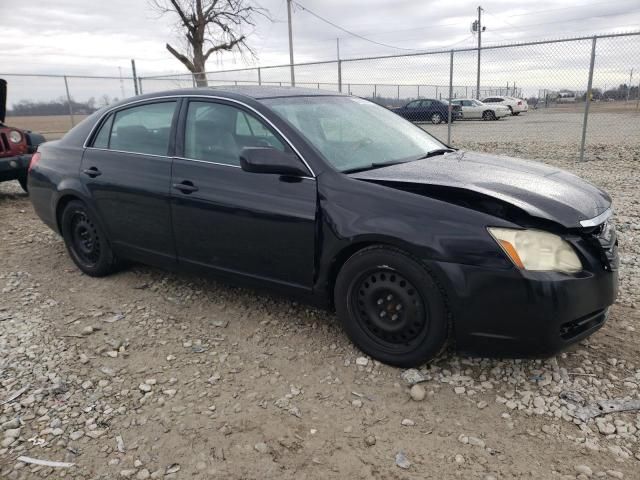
(270, 160)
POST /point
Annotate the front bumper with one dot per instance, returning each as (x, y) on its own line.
(13, 168)
(514, 313)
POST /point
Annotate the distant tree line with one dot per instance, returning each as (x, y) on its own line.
(59, 106)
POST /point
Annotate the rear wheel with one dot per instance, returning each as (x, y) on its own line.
(436, 118)
(510, 109)
(515, 114)
(391, 307)
(85, 241)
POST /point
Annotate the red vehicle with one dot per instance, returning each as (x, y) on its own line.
(16, 146)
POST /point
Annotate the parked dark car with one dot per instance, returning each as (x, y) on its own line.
(16, 146)
(429, 110)
(338, 201)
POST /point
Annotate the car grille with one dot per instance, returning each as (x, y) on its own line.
(574, 328)
(4, 143)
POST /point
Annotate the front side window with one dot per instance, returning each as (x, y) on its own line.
(414, 104)
(426, 103)
(217, 132)
(352, 133)
(142, 129)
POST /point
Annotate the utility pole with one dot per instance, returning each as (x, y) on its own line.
(478, 28)
(630, 82)
(338, 48)
(293, 76)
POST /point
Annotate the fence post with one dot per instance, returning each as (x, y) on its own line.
(340, 76)
(398, 92)
(587, 99)
(140, 85)
(450, 95)
(66, 86)
(259, 77)
(418, 91)
(135, 79)
(375, 91)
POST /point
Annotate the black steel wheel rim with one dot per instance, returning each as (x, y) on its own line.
(85, 241)
(389, 309)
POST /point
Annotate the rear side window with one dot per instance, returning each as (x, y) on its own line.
(102, 138)
(143, 129)
(426, 103)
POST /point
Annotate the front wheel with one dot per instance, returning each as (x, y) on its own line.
(85, 241)
(488, 115)
(23, 183)
(391, 307)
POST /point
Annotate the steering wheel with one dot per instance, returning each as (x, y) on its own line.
(360, 144)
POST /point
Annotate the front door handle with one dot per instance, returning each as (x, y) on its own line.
(93, 172)
(186, 186)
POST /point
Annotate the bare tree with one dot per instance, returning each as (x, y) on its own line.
(210, 26)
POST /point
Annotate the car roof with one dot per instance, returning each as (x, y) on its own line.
(257, 92)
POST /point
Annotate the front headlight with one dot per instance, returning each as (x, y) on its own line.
(15, 136)
(536, 250)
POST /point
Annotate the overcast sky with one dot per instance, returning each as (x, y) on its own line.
(99, 37)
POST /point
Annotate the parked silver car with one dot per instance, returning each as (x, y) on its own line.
(472, 108)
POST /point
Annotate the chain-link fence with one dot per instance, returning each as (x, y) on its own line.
(580, 94)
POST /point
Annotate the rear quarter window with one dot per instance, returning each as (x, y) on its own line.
(101, 140)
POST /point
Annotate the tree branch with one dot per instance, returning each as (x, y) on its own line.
(224, 46)
(185, 61)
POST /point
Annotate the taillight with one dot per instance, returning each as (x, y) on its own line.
(35, 158)
(519, 103)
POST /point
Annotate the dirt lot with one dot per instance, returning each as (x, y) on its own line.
(148, 374)
(561, 127)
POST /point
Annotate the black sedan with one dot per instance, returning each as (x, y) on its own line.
(429, 110)
(341, 202)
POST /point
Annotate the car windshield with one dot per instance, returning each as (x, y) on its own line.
(352, 133)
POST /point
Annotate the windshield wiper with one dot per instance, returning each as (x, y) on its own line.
(373, 166)
(437, 151)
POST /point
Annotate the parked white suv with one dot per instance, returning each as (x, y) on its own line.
(515, 105)
(476, 109)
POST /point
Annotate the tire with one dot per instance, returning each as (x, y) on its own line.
(23, 183)
(86, 243)
(436, 118)
(488, 115)
(515, 114)
(391, 307)
(510, 109)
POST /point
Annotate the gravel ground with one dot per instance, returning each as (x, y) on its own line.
(538, 130)
(147, 374)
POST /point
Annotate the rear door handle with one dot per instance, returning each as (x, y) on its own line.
(186, 186)
(93, 172)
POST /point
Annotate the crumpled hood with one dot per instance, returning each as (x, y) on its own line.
(540, 190)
